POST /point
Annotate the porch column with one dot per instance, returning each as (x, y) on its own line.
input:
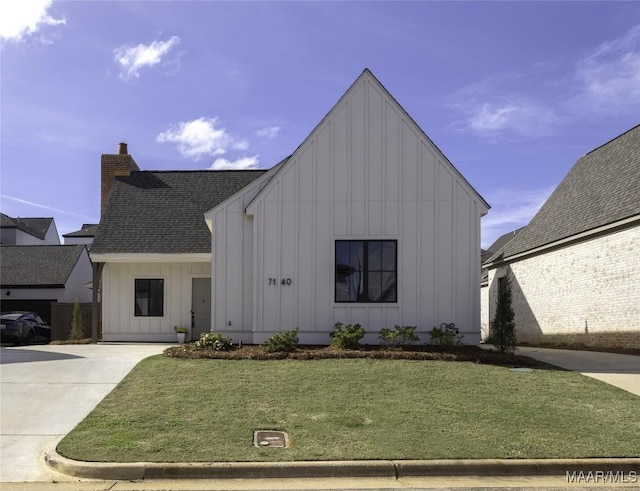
(97, 273)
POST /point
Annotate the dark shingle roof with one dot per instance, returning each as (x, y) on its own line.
(87, 230)
(37, 265)
(601, 188)
(163, 212)
(498, 244)
(37, 227)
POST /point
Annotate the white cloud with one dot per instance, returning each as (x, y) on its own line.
(243, 163)
(132, 58)
(511, 209)
(270, 132)
(19, 19)
(610, 76)
(200, 137)
(498, 117)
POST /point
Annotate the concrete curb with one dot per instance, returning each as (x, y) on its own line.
(396, 469)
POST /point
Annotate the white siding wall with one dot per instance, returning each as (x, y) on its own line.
(366, 172)
(588, 292)
(52, 236)
(118, 320)
(232, 266)
(76, 285)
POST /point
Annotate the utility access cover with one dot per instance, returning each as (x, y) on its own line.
(269, 438)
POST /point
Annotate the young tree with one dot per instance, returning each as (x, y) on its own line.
(77, 325)
(503, 327)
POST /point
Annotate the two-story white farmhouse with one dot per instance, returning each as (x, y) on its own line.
(366, 222)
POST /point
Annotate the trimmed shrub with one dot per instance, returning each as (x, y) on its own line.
(77, 323)
(346, 336)
(285, 341)
(399, 335)
(445, 335)
(214, 340)
(503, 327)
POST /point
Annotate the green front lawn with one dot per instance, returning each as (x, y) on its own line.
(177, 410)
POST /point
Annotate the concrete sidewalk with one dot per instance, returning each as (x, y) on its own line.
(622, 371)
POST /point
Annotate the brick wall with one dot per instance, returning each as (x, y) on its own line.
(114, 165)
(484, 312)
(585, 293)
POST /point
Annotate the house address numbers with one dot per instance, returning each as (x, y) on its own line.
(283, 281)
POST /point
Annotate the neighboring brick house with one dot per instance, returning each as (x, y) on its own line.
(498, 244)
(366, 222)
(575, 268)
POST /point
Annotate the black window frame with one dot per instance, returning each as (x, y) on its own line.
(155, 306)
(365, 272)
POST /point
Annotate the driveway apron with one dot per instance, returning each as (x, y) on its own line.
(47, 390)
(622, 371)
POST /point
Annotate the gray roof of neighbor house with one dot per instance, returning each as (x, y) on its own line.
(87, 230)
(163, 211)
(37, 227)
(498, 244)
(37, 266)
(603, 187)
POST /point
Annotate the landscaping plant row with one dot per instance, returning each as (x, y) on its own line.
(445, 344)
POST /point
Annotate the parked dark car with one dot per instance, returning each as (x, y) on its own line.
(23, 328)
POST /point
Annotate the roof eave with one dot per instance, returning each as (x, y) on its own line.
(126, 257)
(582, 236)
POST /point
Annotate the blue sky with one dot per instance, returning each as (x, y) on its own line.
(512, 92)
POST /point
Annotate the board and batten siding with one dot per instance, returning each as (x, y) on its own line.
(366, 172)
(232, 264)
(118, 287)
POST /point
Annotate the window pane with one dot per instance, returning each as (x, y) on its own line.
(375, 287)
(388, 256)
(149, 299)
(374, 261)
(357, 260)
(365, 271)
(389, 287)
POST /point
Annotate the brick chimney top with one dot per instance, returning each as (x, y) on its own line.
(112, 166)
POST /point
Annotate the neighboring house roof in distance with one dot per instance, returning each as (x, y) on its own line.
(37, 266)
(163, 211)
(602, 188)
(38, 227)
(87, 230)
(498, 244)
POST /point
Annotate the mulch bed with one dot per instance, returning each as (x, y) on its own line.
(426, 352)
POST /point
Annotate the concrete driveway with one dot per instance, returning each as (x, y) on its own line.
(620, 370)
(47, 390)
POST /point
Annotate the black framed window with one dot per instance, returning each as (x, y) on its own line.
(149, 301)
(366, 271)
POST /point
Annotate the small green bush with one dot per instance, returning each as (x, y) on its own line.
(346, 336)
(77, 324)
(399, 335)
(503, 327)
(445, 335)
(285, 341)
(214, 340)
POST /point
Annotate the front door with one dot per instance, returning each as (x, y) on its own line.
(200, 307)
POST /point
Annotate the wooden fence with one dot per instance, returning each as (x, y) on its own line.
(61, 315)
